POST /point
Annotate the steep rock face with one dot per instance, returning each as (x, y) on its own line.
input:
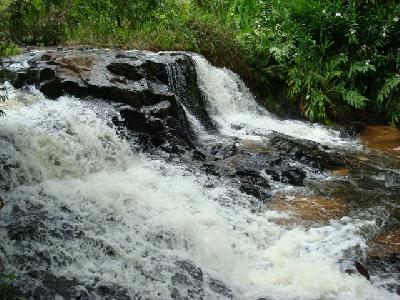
(154, 86)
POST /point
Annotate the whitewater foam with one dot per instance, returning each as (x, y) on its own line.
(105, 214)
(235, 110)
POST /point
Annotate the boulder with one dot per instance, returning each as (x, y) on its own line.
(158, 88)
(293, 176)
(187, 283)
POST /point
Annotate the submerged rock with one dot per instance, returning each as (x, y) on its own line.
(188, 282)
(2, 204)
(252, 183)
(52, 287)
(362, 270)
(306, 210)
(220, 288)
(45, 286)
(386, 266)
(293, 176)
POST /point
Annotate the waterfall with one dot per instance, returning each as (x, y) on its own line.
(83, 205)
(236, 112)
(176, 77)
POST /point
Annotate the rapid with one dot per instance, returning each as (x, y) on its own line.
(86, 204)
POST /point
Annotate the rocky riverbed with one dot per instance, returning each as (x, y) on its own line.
(140, 175)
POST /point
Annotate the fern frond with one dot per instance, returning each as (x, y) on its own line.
(354, 99)
(388, 87)
(394, 117)
(398, 61)
(360, 67)
(316, 106)
(337, 61)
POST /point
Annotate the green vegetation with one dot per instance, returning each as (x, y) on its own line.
(7, 47)
(331, 59)
(335, 56)
(7, 291)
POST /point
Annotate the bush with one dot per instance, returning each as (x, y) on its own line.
(329, 58)
(37, 22)
(334, 56)
(8, 48)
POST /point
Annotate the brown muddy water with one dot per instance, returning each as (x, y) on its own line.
(307, 210)
(387, 140)
(366, 187)
(382, 138)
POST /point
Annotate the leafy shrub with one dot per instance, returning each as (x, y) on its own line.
(334, 56)
(37, 22)
(8, 48)
(329, 58)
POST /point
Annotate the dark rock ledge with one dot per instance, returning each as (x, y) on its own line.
(154, 86)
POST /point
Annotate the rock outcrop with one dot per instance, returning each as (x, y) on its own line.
(155, 87)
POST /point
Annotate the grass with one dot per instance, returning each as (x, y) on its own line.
(8, 49)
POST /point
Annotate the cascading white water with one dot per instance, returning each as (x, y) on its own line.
(105, 214)
(234, 109)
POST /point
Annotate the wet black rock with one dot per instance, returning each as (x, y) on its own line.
(34, 224)
(252, 183)
(187, 283)
(155, 86)
(253, 177)
(143, 124)
(52, 287)
(293, 176)
(220, 288)
(211, 169)
(10, 170)
(386, 266)
(223, 151)
(110, 292)
(138, 69)
(25, 228)
(305, 152)
(44, 286)
(2, 203)
(196, 154)
(255, 166)
(251, 190)
(362, 270)
(352, 128)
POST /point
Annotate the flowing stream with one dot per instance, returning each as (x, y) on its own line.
(233, 107)
(82, 203)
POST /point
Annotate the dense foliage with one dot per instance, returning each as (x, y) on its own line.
(334, 55)
(332, 59)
